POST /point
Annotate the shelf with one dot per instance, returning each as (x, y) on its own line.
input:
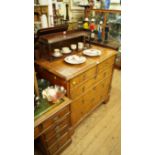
(53, 38)
(106, 11)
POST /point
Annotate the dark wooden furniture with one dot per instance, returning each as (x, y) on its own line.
(87, 84)
(52, 129)
(58, 40)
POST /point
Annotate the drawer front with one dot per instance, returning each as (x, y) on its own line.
(59, 143)
(64, 139)
(103, 88)
(54, 119)
(104, 73)
(76, 110)
(56, 136)
(82, 77)
(105, 64)
(74, 93)
(59, 126)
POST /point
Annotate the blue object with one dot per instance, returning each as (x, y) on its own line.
(107, 4)
(99, 36)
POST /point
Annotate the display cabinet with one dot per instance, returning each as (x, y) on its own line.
(111, 27)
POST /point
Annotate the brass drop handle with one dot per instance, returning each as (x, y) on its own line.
(84, 77)
(58, 135)
(92, 100)
(56, 118)
(104, 74)
(83, 89)
(55, 77)
(57, 128)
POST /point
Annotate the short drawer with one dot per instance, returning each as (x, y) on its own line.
(64, 139)
(105, 64)
(105, 73)
(56, 117)
(58, 127)
(82, 77)
(59, 143)
(74, 93)
(56, 136)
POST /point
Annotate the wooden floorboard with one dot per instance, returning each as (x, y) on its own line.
(99, 134)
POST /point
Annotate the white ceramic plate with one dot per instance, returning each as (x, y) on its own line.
(75, 59)
(92, 52)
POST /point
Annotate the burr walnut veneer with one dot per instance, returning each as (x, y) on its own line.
(87, 84)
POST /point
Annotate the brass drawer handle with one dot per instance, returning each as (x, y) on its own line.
(58, 135)
(74, 82)
(57, 128)
(84, 77)
(55, 77)
(93, 99)
(104, 74)
(56, 118)
(83, 89)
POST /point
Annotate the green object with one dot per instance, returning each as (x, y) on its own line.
(44, 106)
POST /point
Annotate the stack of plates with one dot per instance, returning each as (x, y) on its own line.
(75, 59)
(92, 52)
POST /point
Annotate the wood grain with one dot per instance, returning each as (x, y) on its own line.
(67, 71)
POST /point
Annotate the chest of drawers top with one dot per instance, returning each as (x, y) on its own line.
(67, 71)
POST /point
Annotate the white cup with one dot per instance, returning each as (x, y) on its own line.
(56, 50)
(80, 45)
(73, 46)
(57, 53)
(65, 50)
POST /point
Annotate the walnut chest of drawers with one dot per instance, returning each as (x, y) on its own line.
(87, 84)
(52, 129)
